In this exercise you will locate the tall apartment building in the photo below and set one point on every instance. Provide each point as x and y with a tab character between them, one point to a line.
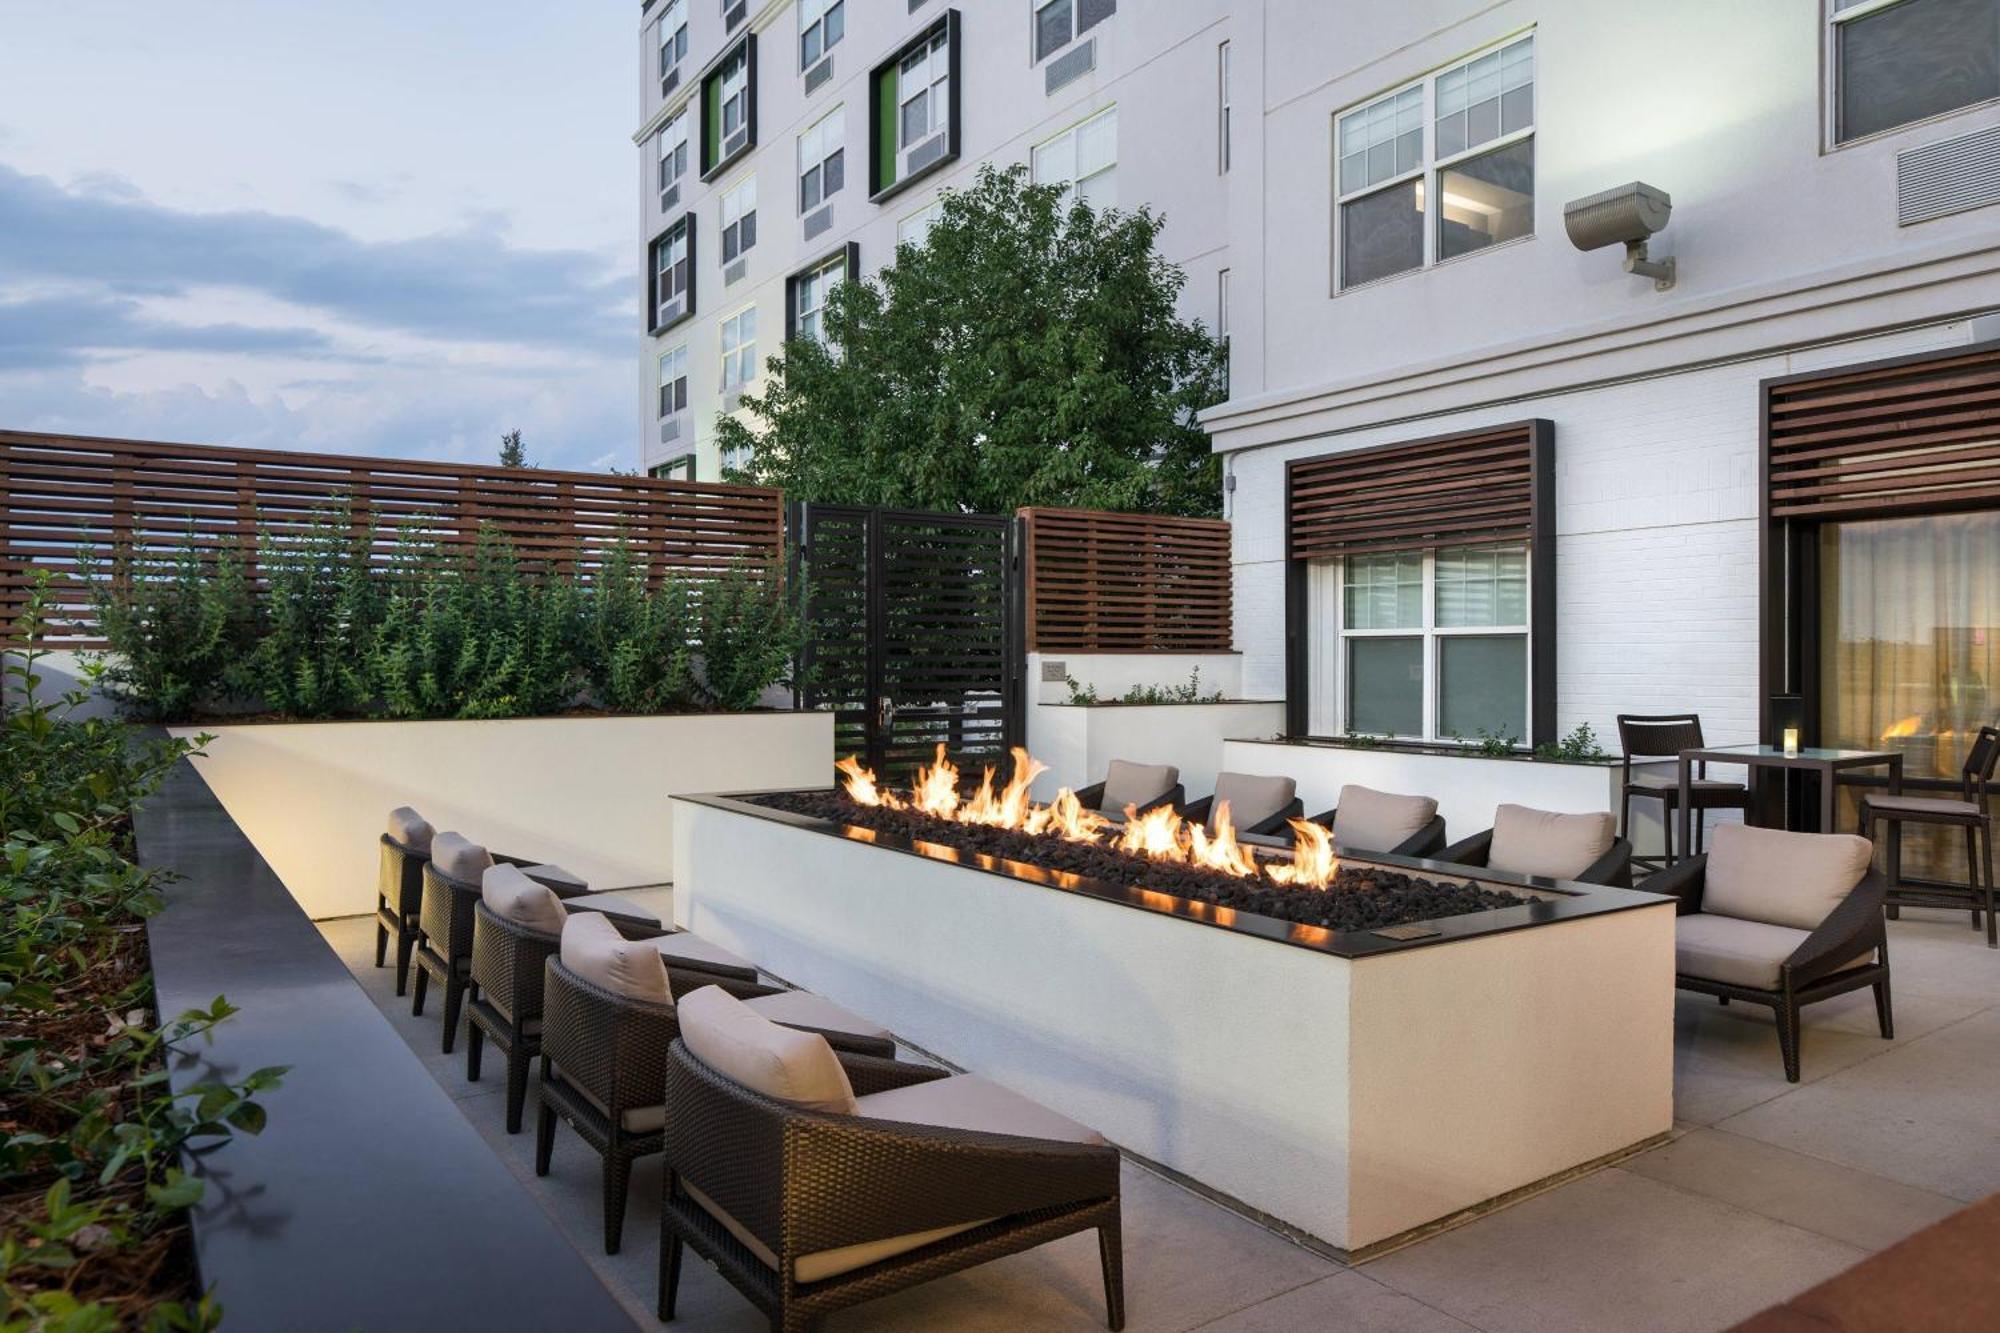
789	143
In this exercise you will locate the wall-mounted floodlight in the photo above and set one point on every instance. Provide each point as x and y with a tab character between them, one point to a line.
1626	216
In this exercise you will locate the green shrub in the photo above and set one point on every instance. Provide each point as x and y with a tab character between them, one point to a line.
638	654
748	634
318	609
183	620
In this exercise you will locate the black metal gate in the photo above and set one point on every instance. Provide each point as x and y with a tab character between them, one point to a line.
913	632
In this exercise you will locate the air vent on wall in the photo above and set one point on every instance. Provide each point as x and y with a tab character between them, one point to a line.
734	271
1071	65
925	153
670	429
670	197
1948	177
671	311
732	401
735	143
671	81
734	15
819	74
818	221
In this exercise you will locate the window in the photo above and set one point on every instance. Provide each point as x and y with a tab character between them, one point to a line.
671	279
729	107
674	469
1084	159
673	159
821	25
739	218
806	293
739	349
822	160
1434	645
1896	62
1222	108
913	109
916	228
1060	22
1439	169
674	382
673	44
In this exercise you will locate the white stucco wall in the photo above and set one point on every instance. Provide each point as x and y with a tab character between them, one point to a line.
1078	743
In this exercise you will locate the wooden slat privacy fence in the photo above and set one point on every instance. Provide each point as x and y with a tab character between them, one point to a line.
1124	583
1915	436
60	492
1448	490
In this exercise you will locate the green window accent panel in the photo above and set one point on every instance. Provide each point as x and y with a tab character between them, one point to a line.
711	120
885	138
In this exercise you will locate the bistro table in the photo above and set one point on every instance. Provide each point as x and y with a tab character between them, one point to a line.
1808	759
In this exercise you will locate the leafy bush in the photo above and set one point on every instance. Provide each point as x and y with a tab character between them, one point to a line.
1577	745
182	621
1190	692
748	634
316	609
637	644
92	1194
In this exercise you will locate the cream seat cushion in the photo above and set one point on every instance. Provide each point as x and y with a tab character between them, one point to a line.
636	1120
594	950
410	829
1540	842
1127	783
1785	879
1253	798
610	904
514	897
459	857
1738	952
1378	821
687	948
827	1263
777	1062
1924	805
803	1009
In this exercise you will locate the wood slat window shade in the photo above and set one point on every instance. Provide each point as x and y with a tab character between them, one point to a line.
58	493
1911	436
1127	583
1450	490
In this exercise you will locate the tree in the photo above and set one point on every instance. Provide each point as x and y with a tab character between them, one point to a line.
1027	353
512	452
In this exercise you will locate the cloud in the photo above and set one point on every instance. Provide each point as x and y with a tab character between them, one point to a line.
66	330
467	284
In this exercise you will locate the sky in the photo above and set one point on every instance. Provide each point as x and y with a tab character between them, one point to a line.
390	227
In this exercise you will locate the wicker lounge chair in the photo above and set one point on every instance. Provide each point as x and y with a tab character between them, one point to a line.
1141	786
1367	820
606	1025
810	1198
1257	804
1780	919
1580	847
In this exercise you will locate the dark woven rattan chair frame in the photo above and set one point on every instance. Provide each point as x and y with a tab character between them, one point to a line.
803	1182
1426	841
1813	972
1613	868
399	894
444	944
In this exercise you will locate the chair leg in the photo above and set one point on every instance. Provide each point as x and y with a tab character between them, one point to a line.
406	941
475	1041
1986	864
1669	816
1972	869
617	1182
423	985
1788	1037
454	999
670	1260
1884	1014
517	1086
545	1138
1111	1254
381	942
1722	1000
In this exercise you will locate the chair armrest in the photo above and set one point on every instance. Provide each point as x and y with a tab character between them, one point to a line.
1172	796
1683	880
1425	841
1196	812
686	980
1855	927
521	861
1325	818
1279	822
1472	851
1091	797
879	1073
1613	868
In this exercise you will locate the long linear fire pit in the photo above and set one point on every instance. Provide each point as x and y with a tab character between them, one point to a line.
1356	1047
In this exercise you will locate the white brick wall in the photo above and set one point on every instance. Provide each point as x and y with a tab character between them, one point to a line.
1656	521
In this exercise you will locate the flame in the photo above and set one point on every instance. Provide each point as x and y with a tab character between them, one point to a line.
1161	833
1902	728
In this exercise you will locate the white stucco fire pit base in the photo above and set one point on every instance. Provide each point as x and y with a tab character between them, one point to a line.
1349	1086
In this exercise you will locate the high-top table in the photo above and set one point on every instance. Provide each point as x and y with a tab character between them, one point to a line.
1808	759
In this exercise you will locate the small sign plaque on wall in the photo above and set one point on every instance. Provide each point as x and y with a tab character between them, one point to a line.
1416	930
1055	672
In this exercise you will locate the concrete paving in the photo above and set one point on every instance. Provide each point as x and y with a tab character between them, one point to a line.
1766	1189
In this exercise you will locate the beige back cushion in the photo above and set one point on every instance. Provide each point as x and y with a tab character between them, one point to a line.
594	950
1127	783
410	828
1253	798
1378	821
512	895
1786	879
459	857
778	1062
1539	842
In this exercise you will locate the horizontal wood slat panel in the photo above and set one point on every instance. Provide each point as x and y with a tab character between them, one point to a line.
1475	486
1101	582
1911	436
60	492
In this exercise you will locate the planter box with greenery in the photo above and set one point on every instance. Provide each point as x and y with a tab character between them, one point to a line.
1184	725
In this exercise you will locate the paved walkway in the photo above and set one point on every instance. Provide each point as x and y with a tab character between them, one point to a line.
1766	1189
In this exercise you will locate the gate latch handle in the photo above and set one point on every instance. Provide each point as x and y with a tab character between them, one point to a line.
885	711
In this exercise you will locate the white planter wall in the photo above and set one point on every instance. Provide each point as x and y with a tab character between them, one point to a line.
1078	742
588	793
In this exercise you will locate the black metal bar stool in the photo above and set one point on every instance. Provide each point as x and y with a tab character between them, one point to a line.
1967	811
1662	736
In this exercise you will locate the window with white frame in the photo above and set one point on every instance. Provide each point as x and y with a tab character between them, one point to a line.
672	275
923	97
822	23
673	43
1439	169
913	95
673	156
739	349
1896	62
809	292
674	382
1083	159
916	228
1222	105
739	218
822	159
1428	645
680	468
1060	22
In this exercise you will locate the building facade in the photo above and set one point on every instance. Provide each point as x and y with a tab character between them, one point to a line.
787	143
